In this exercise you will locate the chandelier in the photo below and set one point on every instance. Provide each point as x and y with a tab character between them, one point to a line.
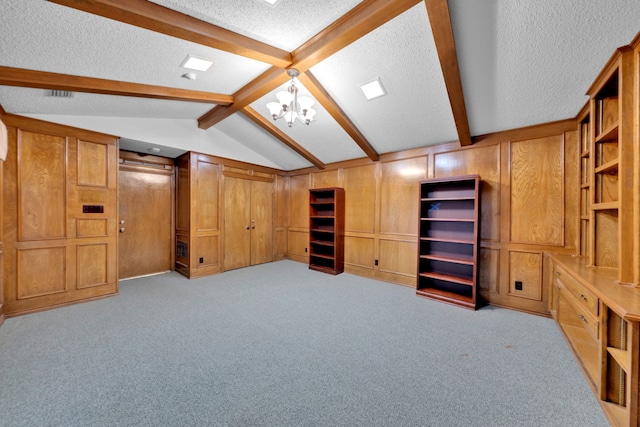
290	106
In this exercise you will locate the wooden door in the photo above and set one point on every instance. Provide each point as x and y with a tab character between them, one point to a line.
145	222
261	222
237	223
248	224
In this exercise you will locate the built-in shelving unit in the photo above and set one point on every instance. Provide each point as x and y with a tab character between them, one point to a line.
594	298
448	246
611	154
326	230
600	319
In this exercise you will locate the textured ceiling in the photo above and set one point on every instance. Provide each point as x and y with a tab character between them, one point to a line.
521	63
286	25
529	62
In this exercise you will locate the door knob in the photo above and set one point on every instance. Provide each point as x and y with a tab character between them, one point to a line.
122	229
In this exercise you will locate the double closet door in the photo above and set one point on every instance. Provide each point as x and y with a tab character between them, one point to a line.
248	222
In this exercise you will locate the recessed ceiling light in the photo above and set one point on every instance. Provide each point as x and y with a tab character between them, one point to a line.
373	89
197	64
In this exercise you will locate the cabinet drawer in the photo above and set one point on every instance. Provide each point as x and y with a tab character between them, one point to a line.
584	296
571	312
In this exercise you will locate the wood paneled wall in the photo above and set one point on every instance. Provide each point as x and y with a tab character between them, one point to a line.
58	247
200	210
528	206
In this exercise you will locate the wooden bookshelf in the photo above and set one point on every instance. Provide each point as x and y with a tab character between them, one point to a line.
326	230
448	246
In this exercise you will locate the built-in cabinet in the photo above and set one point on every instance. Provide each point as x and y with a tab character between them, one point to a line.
227	213
248	222
600	320
594	294
448	240
326	230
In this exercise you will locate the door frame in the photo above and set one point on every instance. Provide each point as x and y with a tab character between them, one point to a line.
135	162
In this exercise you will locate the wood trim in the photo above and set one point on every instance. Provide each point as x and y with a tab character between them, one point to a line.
440	20
45	80
607	70
137	157
322	96
145	14
257	88
247	177
27	123
265	124
358	22
3	112
200	157
529	132
584	111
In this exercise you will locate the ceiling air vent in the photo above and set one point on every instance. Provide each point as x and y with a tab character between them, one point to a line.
59	93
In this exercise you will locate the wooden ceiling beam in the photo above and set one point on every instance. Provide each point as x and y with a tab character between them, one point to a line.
257	88
440	20
358	22
268	126
322	96
45	80
145	14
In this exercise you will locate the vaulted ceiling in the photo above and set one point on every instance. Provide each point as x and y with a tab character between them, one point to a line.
451	69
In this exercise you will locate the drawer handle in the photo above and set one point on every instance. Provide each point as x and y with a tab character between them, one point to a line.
582	297
584	319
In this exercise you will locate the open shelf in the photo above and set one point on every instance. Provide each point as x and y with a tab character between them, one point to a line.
622	357
448	278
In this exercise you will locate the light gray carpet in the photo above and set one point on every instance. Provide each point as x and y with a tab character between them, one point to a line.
280	345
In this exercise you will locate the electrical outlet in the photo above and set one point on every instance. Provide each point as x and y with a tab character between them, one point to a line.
201	260
518	285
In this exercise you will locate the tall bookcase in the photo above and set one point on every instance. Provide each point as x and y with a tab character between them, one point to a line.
610	212
326	230
448	246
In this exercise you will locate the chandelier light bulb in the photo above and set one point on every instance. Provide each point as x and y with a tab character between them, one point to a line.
284	98
311	113
274	109
305	102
